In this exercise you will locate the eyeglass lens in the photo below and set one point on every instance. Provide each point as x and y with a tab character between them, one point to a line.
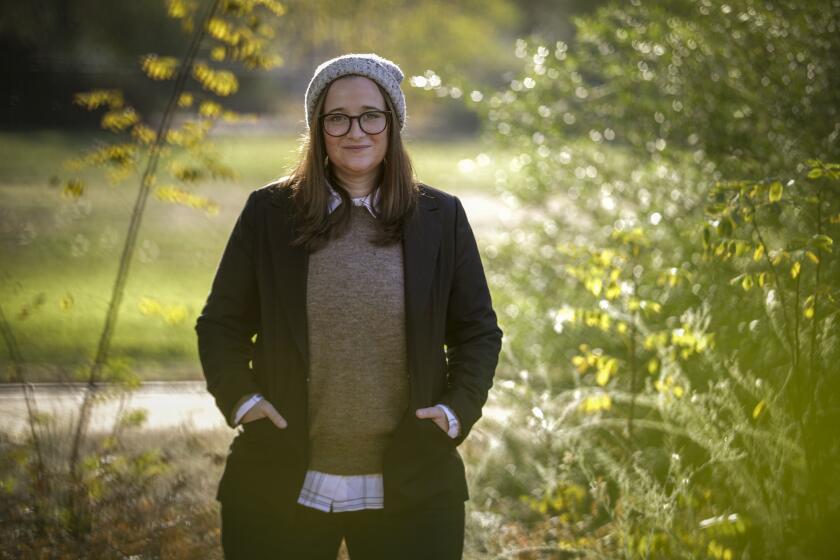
371	122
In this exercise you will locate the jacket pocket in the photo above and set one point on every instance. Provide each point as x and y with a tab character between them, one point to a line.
262	462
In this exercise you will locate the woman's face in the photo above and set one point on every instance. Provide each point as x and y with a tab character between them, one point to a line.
356	155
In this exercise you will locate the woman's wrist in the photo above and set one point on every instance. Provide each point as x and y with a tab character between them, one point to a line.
245	404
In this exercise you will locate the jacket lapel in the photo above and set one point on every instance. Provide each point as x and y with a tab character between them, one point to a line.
420	243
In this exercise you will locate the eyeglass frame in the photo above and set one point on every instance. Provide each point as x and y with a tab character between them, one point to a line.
358	118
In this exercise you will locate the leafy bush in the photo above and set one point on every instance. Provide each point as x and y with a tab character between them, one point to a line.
671	298
140	494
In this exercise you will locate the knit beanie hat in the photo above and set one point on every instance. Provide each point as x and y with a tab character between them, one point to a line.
380	70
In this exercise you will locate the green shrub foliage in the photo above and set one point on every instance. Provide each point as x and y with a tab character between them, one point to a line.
671	291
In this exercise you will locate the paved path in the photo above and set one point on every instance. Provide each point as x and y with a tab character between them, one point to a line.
169	404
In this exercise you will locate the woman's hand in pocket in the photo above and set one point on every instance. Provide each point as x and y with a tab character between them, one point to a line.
264	409
436	414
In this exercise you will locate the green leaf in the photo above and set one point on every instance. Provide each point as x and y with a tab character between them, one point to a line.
823	242
747	282
815	173
808	308
725	227
776	192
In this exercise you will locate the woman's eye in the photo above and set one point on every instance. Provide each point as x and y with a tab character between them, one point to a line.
335	119
372	116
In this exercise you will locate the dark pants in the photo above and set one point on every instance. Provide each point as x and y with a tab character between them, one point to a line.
371	534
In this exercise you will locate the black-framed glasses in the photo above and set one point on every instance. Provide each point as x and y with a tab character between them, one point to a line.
371	122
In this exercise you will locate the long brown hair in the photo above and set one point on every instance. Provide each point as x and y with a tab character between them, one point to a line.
314	226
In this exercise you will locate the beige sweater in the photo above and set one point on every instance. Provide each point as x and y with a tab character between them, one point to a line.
358	379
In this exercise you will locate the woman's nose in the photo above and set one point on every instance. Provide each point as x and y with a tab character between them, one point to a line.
355	129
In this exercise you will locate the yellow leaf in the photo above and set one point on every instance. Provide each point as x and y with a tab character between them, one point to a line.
794	270
119	120
759	252
273	6
149	306
220	29
808	310
602	377
113	98
747	282
185	100
175	314
815	173
209	109
580	363
812	256
776	192
759	408
74	188
596	286
234	117
220	82
761	278
177	9
182	197
218	53
159	67
143	134
594	403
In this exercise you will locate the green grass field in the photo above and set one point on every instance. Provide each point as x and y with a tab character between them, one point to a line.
59	257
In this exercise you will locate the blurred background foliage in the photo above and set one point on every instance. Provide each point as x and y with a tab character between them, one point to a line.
672	300
665	269
58	47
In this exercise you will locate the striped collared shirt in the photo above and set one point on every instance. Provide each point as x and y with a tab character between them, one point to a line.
333	492
370	200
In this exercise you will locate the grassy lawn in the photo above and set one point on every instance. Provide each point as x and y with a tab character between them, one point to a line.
59	257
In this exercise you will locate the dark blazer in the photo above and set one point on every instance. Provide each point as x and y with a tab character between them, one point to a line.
252	337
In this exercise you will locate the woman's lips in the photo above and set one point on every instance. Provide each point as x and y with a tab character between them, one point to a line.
355	147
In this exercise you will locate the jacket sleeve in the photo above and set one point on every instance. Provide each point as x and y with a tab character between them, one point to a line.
473	338
230	318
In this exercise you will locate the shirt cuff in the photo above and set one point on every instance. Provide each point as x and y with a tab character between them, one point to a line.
246	406
454	426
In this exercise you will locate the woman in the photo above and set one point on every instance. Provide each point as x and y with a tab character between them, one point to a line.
323	336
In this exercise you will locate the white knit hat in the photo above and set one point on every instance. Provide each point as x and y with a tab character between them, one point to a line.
380	70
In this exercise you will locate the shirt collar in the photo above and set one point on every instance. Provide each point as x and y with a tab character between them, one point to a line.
369	201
